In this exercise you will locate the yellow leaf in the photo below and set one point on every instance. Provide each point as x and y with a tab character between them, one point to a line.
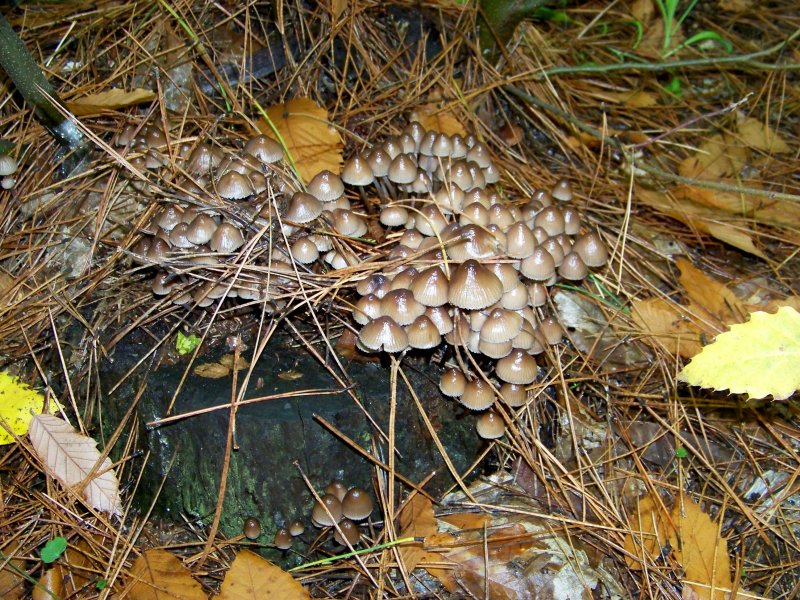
112	99
649	530
18	404
313	143
228	360
435	119
757	358
251	577
158	575
212	370
700	550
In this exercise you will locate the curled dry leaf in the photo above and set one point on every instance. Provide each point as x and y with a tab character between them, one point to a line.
94	104
667	323
72	458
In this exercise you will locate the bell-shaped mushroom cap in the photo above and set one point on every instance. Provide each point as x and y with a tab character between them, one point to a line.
251	528
226	239
423	334
403	278
264	149
403	170
392	147
501	326
441	318
401	306
459	147
506	273
201	229
202	159
552	331
474	242
539	266
366	309
494	349
491	174
394	216
348	223
537	294
325	186
303	208
518	367
377	284
304	251
478	195
477	395
347	533
357	171
383	334
458	174
572	220
283	539
426	143
154	137
555	250
327	511
515	299
551	220
478	178
158	250
379	161
500	215
513	394
473	286
296	528
573	268
336	488
450	199
162	283
168	218
480	155
474	214
357	504
452	382
234	186
411	238
178	236
407	144
415	130
430	287
8	166
520	242
490	425
562	190
591	249
430	221
127	134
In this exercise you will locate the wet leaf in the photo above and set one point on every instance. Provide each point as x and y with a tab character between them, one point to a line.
417	520
18	404
71	457
313	143
251	577
211	371
12	582
113	99
51	585
757	358
159	575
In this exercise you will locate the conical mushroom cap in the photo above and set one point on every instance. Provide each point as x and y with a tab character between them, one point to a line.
473	286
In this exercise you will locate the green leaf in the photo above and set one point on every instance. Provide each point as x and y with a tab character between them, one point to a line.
681	452
757	358
186	343
53	549
101	584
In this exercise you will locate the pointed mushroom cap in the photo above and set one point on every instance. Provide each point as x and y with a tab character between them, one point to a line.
423	334
507	274
562	190
452	382
500	215
459	147
491	174
501	326
539	266
473	286
347	533
480	155
441	318
572	220
283	539
513	394
366	309
415	130
377	284
573	268
379	161
202	159
474	242
551	220
226	239
402	170
401	306
449	199
336	488
490	425
348	223
426	143
178	236
264	149
430	221
325	186
327	518
551	330
383	334
234	186
303	208
357	171
591	249
430	287
520	242
158	250
403	278
474	213
518	367
477	395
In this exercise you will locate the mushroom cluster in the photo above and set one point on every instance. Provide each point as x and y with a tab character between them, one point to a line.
8	166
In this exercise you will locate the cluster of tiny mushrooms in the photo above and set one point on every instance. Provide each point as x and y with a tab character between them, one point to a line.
461	263
8	166
339	509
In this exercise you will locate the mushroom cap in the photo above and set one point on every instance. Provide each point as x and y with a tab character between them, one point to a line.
366	309
304	251
494	350
441	146
551	220
459	147
8	165
202	159
402	170
327	511
264	149
507	274
411	238
423	334
283	539
555	249
475	213
515	299
296	528
441	318
357	504
161	285
392	147
168	218
562	190
477	395
520	241
394	216
572	220
357	171
401	306
500	215
537	294
430	287
491	174
490	425
234	186
573	268
501	326
347	533
591	249
552	331
513	394
526	336
407	143
336	488
158	250
473	286
452	382
226	239
383	334
479	154
539	266
450	200
251	528
430	221
178	236
403	278
325	186
518	367
303	208
377	284
379	161
426	143
348	223
415	130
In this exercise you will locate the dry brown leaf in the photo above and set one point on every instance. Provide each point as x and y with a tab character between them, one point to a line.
760	136
211	370
761	209
736	6
159	575
649	529
417	520
313	143
71	457
337	7
719	157
94	104
433	118
12	583
466	521
643	11
700	550
51	585
228	361
711	295
666	322
253	578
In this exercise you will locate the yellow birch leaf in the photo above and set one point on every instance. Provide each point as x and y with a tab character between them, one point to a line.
313	143
252	578
757	358
158	575
113	99
701	551
649	530
18	404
